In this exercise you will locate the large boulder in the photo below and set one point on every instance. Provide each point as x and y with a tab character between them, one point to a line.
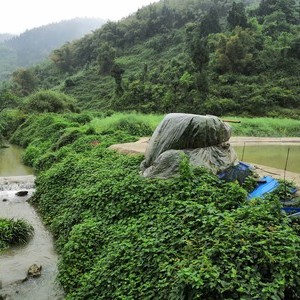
201	138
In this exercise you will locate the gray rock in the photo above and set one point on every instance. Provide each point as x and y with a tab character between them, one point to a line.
34	271
21	193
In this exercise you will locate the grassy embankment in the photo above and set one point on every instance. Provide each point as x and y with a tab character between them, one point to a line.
260	127
121	236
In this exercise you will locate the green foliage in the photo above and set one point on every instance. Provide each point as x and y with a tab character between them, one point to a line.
106	57
10	120
237	16
235	52
62	58
125	236
45	127
49	101
7	100
266	127
14	232
121	236
284	190
133	124
25	81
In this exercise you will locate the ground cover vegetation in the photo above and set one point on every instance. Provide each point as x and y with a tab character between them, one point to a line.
14	232
121	236
216	57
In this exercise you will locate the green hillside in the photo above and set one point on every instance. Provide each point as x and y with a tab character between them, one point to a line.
200	56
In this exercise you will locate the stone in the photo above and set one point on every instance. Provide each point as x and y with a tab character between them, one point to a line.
34	271
21	193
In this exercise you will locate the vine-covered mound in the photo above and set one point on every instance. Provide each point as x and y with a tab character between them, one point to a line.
125	237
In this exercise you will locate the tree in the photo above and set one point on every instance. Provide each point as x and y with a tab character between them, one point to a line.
116	72
106	56
237	16
25	80
197	47
235	53
210	23
288	7
49	101
63	57
294	50
7	100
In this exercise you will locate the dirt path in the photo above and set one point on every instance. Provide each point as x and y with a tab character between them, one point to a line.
240	140
140	146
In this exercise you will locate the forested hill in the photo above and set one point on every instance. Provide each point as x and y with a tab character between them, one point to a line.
35	45
200	56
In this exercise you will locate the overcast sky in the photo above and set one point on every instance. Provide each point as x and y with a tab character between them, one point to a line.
18	15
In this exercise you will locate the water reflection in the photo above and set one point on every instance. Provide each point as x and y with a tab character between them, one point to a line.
271	155
10	162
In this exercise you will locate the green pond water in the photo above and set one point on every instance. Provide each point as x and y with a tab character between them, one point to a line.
11	162
271	155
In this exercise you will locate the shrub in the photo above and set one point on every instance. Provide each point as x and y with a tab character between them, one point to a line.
133	124
49	101
10	120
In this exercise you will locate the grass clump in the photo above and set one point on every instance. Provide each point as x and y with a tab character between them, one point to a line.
14	232
132	123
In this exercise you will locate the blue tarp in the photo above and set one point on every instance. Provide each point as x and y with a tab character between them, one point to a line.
238	172
266	185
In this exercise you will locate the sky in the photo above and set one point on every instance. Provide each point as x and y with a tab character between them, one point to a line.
16	16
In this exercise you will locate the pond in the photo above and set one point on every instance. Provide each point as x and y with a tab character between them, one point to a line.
10	162
271	155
